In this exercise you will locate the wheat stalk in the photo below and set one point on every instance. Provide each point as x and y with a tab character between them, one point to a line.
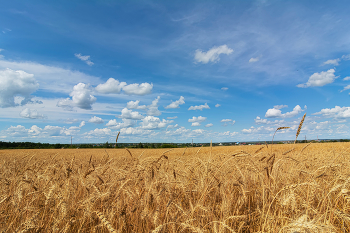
105	222
299	128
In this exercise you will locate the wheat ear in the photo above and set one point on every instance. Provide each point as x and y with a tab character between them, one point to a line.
299	128
105	222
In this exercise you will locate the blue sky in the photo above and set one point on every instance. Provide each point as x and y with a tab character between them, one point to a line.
173	71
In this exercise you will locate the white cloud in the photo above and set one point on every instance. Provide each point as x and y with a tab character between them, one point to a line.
169	118
96	120
51	78
111	86
151	122
336	112
224	88
346	88
71	121
254	59
100	132
228	133
86	59
134	131
212	55
199	107
16	83
66	104
280	106
259	121
347	78
172	126
319	79
153	108
135	105
81	98
129	114
346	57
277	113
259	130
82	124
138	89
176	103
332	62
217	105
32	114
228	122
113	124
209	125
197	120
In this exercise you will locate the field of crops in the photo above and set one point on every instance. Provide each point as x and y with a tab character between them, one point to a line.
279	188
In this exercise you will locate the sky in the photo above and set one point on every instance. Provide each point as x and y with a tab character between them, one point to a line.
173	71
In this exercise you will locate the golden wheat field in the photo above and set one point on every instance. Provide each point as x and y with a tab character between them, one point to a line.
272	188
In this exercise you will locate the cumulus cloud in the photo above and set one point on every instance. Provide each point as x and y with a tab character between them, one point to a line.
138	89
96	120
199	107
196	121
254	59
319	79
259	130
277	113
334	62
217	105
81	98
153	108
135	105
151	122
37	132
16	83
129	114
209	125
134	131
336	112
31	114
86	59
172	126
259	121
176	103
228	122
111	86
170	118
212	55
113	124
82	124
228	133
100	132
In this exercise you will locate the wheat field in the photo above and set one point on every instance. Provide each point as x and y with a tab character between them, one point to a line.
270	188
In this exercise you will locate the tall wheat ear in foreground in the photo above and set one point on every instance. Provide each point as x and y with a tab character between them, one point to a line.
219	189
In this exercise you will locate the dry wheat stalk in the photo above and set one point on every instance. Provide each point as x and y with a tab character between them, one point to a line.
299	128
116	140
105	222
288	151
129	152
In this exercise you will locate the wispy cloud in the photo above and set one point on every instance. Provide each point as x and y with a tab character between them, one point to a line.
212	55
86	59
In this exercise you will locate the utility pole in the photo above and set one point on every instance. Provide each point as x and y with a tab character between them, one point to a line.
71	141
192	142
